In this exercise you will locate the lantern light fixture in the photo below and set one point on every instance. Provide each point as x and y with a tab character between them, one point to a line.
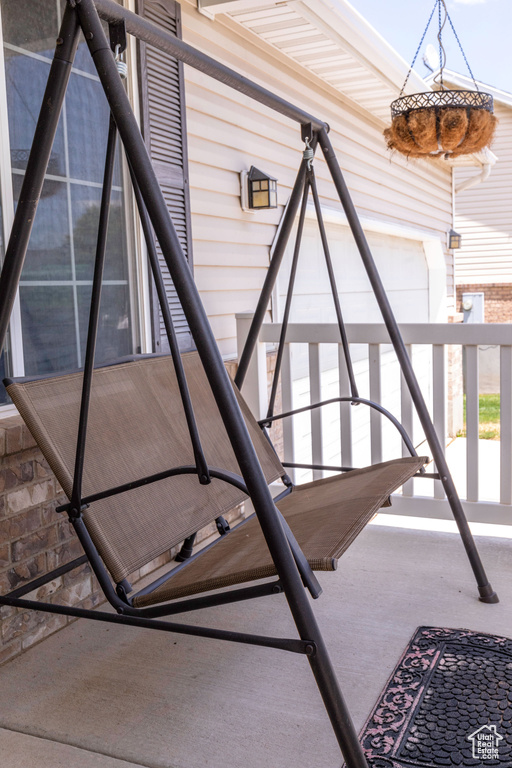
454	239
258	190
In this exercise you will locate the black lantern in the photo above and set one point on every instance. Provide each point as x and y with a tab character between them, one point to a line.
262	189
454	239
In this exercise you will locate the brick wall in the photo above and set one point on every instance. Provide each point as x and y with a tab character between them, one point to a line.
497	300
34	540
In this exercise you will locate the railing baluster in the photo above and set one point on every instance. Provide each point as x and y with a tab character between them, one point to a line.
472	422
287	396
374	362
406	411
345	412
506	425
439	404
467	336
315	395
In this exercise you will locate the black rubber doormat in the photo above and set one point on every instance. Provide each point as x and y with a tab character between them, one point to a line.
448	703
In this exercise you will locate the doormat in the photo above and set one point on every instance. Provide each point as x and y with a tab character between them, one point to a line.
448	703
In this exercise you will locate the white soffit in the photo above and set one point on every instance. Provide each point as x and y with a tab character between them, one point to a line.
333	41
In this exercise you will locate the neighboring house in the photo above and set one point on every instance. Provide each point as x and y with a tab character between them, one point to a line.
483	215
319	54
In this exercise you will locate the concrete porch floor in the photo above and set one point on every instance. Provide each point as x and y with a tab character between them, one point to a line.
98	696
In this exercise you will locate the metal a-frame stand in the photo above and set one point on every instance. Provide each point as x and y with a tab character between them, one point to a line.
86	15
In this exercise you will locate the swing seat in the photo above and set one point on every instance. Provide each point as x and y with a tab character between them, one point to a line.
137	429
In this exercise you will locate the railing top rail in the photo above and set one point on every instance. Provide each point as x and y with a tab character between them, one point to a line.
151	33
412	333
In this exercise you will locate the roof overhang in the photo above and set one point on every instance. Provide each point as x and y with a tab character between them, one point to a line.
333	41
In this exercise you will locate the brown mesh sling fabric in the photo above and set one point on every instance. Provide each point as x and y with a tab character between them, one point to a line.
137	429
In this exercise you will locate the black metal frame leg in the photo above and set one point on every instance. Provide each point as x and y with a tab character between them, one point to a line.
487	594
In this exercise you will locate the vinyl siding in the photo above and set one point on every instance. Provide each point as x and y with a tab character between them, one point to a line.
228	132
483	215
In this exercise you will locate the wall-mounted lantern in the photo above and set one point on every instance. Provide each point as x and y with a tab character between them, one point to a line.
258	190
454	239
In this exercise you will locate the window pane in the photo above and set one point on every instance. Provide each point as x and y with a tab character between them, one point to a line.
55	287
86	210
114	331
83	59
31	25
49	328
26	82
48	256
88	119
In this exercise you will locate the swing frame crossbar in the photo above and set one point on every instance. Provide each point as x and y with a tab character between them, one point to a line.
85	16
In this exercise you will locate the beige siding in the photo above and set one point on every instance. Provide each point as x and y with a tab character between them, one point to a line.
229	132
483	215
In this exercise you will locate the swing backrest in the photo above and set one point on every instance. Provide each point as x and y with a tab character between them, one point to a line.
137	428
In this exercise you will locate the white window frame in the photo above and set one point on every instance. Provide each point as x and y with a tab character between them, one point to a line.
138	276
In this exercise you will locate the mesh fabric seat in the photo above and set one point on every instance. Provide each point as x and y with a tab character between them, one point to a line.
325	517
137	428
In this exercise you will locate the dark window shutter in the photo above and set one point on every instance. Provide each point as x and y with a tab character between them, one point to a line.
164	128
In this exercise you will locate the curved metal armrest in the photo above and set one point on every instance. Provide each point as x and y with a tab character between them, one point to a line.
405	437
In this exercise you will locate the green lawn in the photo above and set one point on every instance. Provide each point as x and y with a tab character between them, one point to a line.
489	417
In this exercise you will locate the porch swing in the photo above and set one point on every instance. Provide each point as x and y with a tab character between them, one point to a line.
155	446
150	449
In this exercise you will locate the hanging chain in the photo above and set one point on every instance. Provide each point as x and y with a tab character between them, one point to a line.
308	153
418	49
462	51
439	4
442	52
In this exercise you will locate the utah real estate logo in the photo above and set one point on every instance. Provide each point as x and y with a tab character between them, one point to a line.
486	743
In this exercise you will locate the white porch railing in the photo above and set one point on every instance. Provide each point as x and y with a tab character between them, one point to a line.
311	380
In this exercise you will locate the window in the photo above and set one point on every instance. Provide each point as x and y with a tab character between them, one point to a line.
56	282
49	327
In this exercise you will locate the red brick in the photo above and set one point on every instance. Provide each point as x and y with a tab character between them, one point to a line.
64	554
25	572
18	473
20	624
4	555
41	468
44	592
48	514
82	572
27	441
34	543
76	591
14	439
97	598
20	525
65	530
29	496
49	625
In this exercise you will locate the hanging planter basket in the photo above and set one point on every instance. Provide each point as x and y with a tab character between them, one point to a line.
443	122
